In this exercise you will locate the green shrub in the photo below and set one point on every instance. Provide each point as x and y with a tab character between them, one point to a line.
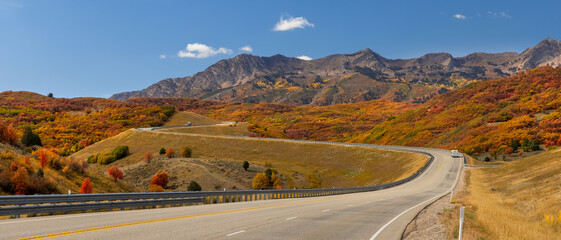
487	159
194	186
533	145
40	172
91	159
30	139
186	152
106	158
120	152
245	165
162	151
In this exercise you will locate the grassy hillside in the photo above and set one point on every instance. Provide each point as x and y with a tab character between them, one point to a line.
302	165
184	117
519	200
236	129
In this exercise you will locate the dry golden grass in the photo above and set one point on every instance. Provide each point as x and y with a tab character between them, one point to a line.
332	166
238	129
182	118
510	202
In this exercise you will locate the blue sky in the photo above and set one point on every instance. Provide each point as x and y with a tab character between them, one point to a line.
97	48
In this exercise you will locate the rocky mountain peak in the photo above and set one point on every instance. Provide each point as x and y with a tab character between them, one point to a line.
548	51
340	78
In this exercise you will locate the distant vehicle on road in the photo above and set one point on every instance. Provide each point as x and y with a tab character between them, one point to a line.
455	153
188	124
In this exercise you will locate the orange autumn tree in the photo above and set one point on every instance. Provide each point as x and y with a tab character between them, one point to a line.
19	181
7	133
86	186
159	182
115	173
170	153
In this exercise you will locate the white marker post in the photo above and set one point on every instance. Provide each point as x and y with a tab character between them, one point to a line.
461	222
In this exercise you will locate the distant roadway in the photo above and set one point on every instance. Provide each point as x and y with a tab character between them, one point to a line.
381	214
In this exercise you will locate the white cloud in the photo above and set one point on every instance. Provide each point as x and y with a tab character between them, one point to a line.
246	49
163	56
459	16
304	57
291	23
498	14
199	50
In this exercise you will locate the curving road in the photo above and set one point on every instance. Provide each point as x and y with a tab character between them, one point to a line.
381	214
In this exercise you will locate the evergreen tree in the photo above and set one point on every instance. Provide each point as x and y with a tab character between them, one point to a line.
29	138
194	186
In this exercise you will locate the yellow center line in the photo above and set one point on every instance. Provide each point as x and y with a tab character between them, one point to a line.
197	215
169	219
434	174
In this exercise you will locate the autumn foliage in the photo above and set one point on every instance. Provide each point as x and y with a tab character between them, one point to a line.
339	122
267	180
86	186
72	124
186	152
19	175
170	153
7	133
160	179
43	158
115	173
148	157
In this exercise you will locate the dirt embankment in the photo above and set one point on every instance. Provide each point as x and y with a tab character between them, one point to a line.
210	174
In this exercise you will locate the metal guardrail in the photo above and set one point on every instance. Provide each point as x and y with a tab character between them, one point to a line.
33	204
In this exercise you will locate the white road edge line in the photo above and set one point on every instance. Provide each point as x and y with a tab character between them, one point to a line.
437	196
235	233
288	219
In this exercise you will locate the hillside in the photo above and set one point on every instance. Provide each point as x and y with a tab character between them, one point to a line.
346	78
21	173
519	200
481	117
216	162
69	125
340	122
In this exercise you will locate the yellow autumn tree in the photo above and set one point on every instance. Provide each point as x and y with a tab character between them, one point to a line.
260	181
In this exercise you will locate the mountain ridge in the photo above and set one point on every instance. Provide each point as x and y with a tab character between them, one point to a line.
343	78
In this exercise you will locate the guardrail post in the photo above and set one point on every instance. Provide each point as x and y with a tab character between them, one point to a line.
461	222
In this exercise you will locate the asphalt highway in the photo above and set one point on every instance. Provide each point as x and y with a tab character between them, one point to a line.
381	214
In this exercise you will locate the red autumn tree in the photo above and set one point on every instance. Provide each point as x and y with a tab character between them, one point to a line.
43	158
509	150
86	186
160	179
170	153
115	173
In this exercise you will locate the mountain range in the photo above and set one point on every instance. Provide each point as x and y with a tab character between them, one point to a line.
345	78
